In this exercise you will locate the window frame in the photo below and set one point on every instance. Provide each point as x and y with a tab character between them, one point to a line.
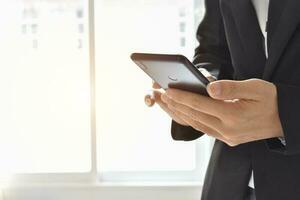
98	191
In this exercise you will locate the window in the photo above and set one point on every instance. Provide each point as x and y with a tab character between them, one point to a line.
45	87
134	142
64	73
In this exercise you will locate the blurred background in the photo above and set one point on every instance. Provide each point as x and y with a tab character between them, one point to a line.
73	124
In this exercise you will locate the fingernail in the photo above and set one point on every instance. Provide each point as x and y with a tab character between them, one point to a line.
214	89
149	101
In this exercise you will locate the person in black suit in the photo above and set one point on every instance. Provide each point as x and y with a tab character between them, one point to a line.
254	108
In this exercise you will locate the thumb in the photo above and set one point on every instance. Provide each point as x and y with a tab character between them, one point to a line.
229	90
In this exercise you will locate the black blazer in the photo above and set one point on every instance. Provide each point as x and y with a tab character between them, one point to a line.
230	38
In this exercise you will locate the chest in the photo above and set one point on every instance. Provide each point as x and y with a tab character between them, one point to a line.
245	23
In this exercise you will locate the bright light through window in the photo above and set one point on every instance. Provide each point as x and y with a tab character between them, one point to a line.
132	137
45	84
45	87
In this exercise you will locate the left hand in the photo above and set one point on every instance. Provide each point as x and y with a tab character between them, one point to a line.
237	112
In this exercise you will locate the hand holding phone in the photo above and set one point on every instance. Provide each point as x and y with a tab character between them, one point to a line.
173	71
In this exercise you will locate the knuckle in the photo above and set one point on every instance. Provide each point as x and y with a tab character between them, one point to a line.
233	143
265	88
229	143
254	80
270	90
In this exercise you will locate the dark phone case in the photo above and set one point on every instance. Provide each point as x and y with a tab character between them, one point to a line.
172	71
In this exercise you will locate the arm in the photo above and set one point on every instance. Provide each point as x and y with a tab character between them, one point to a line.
212	54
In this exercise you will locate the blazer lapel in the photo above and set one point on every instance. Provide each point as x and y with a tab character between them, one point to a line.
250	36
283	20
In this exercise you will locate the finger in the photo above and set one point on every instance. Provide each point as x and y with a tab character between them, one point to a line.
165	107
203	118
200	127
149	100
252	89
156	86
157	96
197	102
164	98
158	100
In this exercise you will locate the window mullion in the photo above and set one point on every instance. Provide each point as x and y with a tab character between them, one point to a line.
91	22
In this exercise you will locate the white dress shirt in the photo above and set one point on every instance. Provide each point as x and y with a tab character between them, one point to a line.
261	8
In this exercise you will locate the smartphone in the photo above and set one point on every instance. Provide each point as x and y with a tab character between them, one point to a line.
172	71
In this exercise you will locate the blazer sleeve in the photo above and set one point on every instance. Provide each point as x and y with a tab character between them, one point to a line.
289	109
211	54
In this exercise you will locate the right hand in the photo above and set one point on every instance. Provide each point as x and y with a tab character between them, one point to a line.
157	98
